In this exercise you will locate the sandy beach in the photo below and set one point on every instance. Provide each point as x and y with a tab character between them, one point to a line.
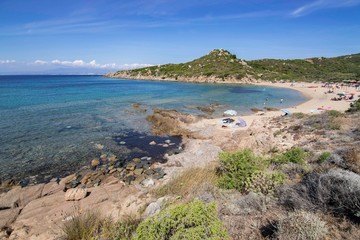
318	102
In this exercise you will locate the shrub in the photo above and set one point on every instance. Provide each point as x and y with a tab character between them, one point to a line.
82	226
194	220
324	157
327	120
354	107
236	168
336	190
301	225
264	183
299	115
334	113
294	155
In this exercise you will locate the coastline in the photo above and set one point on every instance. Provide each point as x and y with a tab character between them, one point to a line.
29	205
317	102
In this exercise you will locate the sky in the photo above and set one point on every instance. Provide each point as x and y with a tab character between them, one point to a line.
98	36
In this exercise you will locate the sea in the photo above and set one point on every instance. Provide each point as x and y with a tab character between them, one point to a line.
51	126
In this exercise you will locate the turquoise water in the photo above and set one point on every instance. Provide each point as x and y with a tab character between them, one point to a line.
49	125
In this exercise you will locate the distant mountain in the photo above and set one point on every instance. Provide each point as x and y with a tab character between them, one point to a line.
222	66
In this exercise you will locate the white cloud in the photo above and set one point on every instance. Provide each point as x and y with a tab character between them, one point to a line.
7	61
91	64
40	62
323	4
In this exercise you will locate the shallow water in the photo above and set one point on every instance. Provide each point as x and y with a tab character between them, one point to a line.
50	125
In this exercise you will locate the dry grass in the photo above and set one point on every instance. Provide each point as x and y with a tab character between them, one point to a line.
190	183
82	226
352	159
123	229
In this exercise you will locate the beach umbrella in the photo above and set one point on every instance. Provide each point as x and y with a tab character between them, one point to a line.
230	112
241	122
287	112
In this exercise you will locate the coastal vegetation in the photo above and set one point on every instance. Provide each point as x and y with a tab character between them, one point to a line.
309	191
221	65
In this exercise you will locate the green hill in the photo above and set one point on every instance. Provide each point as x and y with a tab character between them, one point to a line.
221	65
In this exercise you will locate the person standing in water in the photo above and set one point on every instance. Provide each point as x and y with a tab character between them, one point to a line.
281	100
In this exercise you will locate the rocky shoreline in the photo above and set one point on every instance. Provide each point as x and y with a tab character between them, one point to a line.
116	191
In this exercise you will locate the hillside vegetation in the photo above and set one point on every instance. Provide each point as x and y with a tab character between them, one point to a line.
221	65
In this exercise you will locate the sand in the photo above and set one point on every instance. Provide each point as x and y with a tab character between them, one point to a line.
317	100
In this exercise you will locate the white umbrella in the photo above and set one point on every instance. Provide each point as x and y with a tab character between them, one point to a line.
230	112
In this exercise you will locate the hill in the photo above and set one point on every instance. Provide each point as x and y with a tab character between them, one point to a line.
222	66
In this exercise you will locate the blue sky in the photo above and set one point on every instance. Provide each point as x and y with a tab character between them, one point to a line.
97	36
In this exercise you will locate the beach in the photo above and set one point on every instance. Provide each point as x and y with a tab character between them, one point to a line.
26	207
318	102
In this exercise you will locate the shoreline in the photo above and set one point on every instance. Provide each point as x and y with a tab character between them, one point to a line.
317	102
24	208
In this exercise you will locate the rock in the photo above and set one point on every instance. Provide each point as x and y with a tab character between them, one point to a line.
167	141
152	143
140	165
99	146
136	160
86	178
165	145
19	197
75	194
103	157
110	180
95	163
155	207
159	173
148	182
67	179
131	166
112	158
129	179
122	143
8	216
149	171
138	171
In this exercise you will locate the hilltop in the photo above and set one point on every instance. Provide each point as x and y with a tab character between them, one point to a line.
222	66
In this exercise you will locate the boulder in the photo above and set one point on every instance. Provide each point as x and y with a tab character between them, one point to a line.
95	163
148	182
155	207
75	194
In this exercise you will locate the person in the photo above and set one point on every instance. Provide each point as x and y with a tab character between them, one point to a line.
281	100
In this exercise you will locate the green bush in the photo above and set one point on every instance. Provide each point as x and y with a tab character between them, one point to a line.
324	157
354	107
299	115
236	168
334	113
194	220
294	155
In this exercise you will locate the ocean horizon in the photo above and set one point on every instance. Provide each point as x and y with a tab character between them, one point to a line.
52	125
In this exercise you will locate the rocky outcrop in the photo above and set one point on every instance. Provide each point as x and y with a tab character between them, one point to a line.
171	122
